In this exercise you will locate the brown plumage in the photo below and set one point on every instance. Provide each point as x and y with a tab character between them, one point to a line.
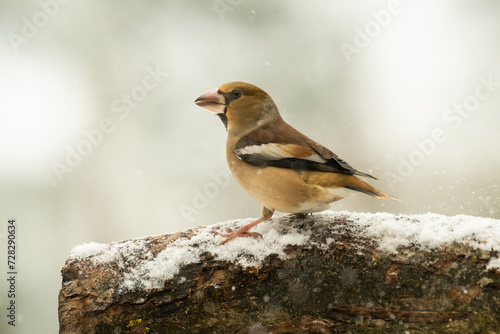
276	164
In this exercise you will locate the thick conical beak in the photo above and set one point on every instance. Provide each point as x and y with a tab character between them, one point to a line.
212	100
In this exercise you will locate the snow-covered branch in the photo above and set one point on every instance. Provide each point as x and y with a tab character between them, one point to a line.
335	271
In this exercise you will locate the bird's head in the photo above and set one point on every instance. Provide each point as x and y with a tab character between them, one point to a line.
241	106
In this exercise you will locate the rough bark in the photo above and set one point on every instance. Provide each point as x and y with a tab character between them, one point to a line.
346	286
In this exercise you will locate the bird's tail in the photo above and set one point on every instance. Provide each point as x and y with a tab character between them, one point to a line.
362	186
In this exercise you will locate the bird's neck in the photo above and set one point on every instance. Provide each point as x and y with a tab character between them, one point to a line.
241	131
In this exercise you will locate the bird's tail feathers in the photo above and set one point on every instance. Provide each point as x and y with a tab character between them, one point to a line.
358	173
369	190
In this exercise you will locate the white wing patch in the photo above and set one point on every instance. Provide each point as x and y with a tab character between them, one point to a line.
274	151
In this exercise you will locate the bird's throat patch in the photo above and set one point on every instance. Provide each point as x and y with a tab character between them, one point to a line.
223	118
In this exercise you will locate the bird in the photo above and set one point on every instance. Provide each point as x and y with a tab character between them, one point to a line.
276	164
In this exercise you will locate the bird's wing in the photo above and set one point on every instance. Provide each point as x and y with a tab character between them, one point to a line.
280	145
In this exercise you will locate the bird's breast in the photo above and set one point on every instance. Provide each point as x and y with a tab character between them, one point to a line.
280	189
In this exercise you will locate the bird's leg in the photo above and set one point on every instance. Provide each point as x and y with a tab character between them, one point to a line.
243	231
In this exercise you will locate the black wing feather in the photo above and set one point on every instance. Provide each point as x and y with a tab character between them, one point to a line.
332	165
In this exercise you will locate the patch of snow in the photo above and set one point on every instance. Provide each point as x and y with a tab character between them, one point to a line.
120	253
244	251
143	270
494	264
83	251
428	231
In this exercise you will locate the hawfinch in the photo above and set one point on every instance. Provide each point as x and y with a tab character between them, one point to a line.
276	164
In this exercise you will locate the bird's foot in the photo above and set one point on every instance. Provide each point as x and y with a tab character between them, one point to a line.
243	231
236	234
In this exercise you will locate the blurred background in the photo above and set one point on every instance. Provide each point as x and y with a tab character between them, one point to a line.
100	139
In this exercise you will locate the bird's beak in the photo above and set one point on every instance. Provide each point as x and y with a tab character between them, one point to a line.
212	100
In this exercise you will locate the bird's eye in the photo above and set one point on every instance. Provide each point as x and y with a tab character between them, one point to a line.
236	94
